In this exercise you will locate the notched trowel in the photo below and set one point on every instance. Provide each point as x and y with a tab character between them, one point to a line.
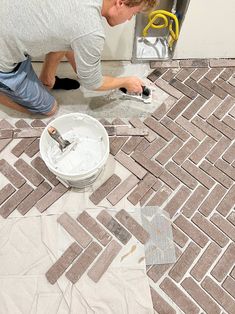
64	145
145	96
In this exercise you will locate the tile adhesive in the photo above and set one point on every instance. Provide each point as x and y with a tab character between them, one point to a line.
80	163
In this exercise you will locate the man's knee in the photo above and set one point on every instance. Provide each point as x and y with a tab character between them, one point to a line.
53	109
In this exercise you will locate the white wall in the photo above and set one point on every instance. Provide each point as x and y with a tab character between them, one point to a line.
208	30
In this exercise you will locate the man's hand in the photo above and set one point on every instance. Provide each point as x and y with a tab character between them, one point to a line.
132	83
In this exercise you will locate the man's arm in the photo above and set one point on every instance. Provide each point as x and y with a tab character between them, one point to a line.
131	83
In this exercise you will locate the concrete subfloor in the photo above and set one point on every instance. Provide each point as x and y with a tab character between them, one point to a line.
99	105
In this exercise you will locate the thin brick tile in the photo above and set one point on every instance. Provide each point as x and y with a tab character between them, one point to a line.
232	112
182	175
202	150
5	124
104	261
199	88
227	202
28	132
131	165
133	226
194	233
128	131
32	175
146	197
199	295
194	201
74	229
6	192
179	297
51	197
164	64
210	229
177	201
174	128
202	266
160	197
229	121
11	174
216	174
209	107
137	123
179	237
169	74
228	88
207	128
212	200
185	261
229	286
164	108
225	168
33	198
213	88
21	124
183	88
157	271
33	148
111	130
94	228
131	144
41	167
229	155
143	145
114	227
222	127
194	107
117	144
169	180
231	218
192	129
199	73
60	266
224	108
227	73
157	185
224	63
233	273
159	304
156	74
224	265
98	195
126	186
177	109
36	123
143	187
21	146
168	88
149	165
158	128
213	73
83	262
169	151
184	73
4	134
224	225
218	150
219	295
10	205
198	174
118	121
4	143
154	147
185	151
194	63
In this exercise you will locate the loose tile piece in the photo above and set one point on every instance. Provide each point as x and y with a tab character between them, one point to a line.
114	227
32	175
74	229
60	266
133	226
33	148
94	228
131	165
41	167
29	132
104	261
11	174
149	165
21	146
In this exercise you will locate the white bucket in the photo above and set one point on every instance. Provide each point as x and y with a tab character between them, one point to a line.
91	152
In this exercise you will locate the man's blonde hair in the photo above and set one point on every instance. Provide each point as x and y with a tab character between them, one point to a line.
148	5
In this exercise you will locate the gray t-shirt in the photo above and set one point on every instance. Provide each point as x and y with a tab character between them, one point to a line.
36	27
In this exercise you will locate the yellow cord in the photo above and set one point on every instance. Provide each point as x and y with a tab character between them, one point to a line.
168	20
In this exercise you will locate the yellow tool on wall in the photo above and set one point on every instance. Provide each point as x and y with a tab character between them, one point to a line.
169	20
